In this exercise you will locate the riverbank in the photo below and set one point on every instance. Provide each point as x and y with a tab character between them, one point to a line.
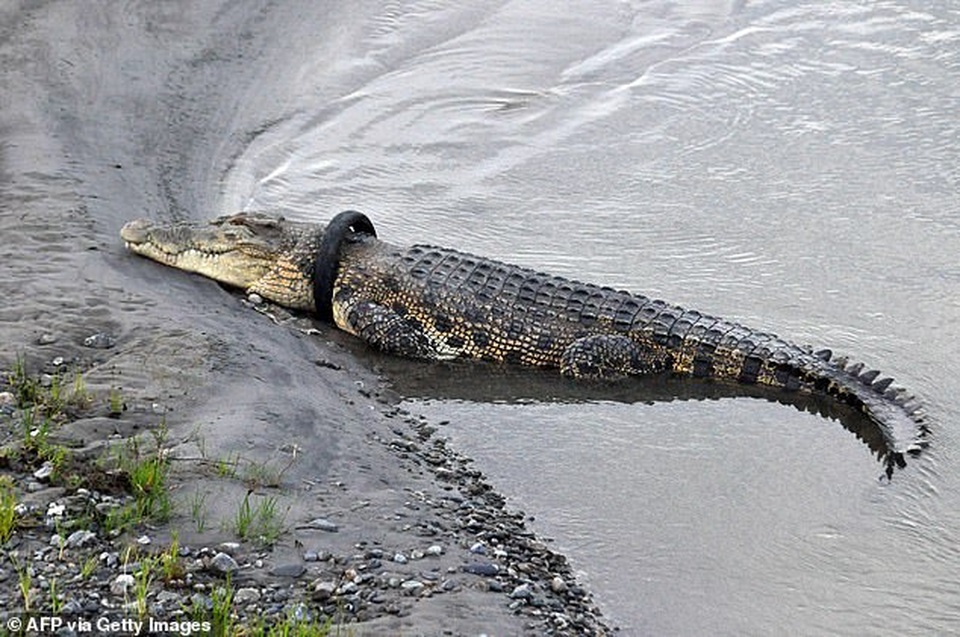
284	460
400	536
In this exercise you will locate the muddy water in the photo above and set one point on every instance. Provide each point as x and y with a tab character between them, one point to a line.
793	166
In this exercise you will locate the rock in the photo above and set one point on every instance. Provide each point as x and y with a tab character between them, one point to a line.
522	591
168	597
199	600
416	554
100	340
80	538
479	548
289	570
44	472
321	524
485	569
400	558
143	540
323	590
348	588
311	556
46	339
557	585
223	563
412	586
7	398
122	584
246	596
435	550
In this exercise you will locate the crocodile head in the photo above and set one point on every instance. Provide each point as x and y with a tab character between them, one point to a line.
259	253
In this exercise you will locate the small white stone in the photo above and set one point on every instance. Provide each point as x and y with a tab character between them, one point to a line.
44	472
122	584
246	596
80	538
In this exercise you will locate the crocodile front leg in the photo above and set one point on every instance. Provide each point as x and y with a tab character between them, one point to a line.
384	328
610	356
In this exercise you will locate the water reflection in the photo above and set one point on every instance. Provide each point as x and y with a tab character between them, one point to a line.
478	382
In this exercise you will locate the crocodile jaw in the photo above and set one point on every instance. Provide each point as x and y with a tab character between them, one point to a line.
231	253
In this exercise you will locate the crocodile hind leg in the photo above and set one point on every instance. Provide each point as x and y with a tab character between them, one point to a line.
610	356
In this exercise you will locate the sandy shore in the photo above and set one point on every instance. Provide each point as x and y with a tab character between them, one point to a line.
106	116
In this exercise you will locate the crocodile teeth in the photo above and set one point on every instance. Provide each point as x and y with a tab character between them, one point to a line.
869	377
823	354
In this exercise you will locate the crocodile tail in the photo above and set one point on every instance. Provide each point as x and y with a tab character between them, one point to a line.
897	414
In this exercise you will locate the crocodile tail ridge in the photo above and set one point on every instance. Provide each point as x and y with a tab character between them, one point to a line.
898	414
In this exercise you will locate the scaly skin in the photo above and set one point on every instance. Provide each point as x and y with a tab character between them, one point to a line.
436	303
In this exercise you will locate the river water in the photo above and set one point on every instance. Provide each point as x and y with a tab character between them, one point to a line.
790	165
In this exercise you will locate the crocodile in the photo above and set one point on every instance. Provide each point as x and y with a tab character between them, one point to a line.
436	303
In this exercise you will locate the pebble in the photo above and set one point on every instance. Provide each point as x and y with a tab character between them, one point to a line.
400	558
323	590
44	471
223	563
412	586
167	597
80	538
289	570
479	548
321	524
7	398
46	339
122	584
557	585
246	596
522	591
435	550
100	340
485	569
143	540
